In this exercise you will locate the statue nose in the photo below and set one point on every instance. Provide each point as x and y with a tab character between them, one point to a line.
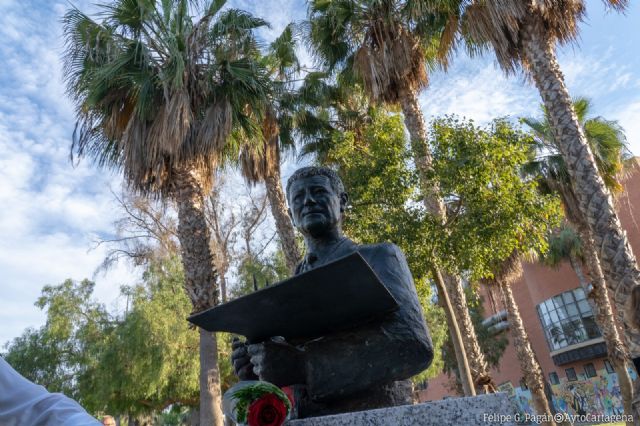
309	199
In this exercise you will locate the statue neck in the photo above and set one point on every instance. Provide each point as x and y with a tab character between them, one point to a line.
325	244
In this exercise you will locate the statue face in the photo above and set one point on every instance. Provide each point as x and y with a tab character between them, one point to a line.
315	208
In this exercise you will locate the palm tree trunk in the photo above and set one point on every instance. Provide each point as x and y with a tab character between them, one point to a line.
417	128
597	296
530	368
599	302
278	203
414	121
458	345
617	260
200	285
479	368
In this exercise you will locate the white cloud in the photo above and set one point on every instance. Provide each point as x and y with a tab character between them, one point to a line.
477	90
51	211
629	118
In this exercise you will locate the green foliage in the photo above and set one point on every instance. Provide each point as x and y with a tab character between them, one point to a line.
606	139
149	361
261	270
492	210
58	355
141	363
564	244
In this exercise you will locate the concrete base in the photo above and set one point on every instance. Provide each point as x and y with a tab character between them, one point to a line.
490	409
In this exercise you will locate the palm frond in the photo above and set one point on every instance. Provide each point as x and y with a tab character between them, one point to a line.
156	91
617	5
282	53
564	244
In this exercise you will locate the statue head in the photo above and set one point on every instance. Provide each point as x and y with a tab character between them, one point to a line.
316	200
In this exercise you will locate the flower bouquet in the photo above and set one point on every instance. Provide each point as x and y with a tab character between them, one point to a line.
256	403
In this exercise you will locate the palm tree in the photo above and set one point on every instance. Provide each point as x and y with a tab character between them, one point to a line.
566	245
504	275
261	163
523	35
608	143
157	95
387	44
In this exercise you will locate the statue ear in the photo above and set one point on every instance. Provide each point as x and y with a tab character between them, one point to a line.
344	199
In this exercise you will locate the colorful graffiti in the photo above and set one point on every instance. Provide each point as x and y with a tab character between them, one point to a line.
598	395
520	398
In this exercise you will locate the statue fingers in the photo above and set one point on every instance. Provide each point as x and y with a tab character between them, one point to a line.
255	349
237	343
239	352
257	360
240	363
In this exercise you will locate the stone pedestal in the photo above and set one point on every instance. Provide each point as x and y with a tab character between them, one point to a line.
493	409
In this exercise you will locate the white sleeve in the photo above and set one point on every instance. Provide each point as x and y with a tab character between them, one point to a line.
23	403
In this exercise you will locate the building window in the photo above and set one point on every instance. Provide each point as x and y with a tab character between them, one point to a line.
608	366
554	379
590	370
567	319
571	374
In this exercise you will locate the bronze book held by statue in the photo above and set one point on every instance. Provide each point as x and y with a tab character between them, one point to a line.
332	297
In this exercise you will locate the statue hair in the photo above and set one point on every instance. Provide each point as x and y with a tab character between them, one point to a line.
334	179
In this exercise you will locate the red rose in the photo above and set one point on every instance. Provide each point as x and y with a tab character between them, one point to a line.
268	410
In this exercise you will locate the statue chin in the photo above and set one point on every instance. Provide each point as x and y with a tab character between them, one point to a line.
316	226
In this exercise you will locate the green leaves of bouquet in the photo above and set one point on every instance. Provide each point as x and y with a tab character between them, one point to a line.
256	403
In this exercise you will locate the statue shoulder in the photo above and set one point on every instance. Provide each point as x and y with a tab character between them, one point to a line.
381	251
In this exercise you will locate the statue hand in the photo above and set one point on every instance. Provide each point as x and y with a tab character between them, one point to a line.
278	362
241	360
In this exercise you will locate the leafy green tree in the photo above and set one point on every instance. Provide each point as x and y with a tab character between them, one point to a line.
523	35
387	45
158	95
148	363
135	365
494	216
58	355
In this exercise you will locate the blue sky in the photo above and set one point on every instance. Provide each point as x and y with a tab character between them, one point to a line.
52	212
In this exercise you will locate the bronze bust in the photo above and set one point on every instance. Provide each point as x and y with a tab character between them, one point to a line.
361	368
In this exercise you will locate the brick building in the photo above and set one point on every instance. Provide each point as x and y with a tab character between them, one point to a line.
564	336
